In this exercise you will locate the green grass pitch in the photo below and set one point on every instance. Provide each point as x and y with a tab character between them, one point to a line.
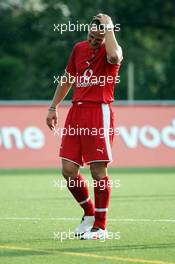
33	209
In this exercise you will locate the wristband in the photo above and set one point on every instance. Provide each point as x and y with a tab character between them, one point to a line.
52	109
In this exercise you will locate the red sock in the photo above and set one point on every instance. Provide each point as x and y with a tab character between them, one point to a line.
79	190
102	195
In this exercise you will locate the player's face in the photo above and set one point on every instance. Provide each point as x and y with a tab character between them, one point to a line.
95	38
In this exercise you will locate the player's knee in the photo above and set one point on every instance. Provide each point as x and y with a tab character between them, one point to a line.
68	173
69	169
97	172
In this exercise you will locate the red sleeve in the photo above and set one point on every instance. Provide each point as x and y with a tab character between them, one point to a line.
71	68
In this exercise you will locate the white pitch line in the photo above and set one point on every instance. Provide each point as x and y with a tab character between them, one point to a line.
77	219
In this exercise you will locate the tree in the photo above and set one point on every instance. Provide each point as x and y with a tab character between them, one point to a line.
32	52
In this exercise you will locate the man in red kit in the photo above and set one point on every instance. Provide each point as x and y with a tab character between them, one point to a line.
90	115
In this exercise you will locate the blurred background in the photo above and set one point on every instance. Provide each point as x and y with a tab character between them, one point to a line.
32	53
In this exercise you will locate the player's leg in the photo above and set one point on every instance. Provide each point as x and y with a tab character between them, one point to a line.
78	187
97	152
70	152
102	197
101	193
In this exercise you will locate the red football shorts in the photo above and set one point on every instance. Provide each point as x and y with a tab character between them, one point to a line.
88	133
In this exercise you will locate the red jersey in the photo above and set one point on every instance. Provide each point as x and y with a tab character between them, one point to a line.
94	76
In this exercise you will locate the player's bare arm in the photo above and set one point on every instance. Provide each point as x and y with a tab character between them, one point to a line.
60	93
113	50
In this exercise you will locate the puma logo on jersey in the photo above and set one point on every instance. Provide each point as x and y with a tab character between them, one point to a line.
100	150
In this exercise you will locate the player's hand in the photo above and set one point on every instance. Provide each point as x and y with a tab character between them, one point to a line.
104	19
52	119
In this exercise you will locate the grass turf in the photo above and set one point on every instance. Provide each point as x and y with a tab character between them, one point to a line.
33	209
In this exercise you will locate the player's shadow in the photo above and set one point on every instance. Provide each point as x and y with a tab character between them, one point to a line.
83	249
109	247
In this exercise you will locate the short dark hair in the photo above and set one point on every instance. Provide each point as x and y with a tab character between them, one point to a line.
97	24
